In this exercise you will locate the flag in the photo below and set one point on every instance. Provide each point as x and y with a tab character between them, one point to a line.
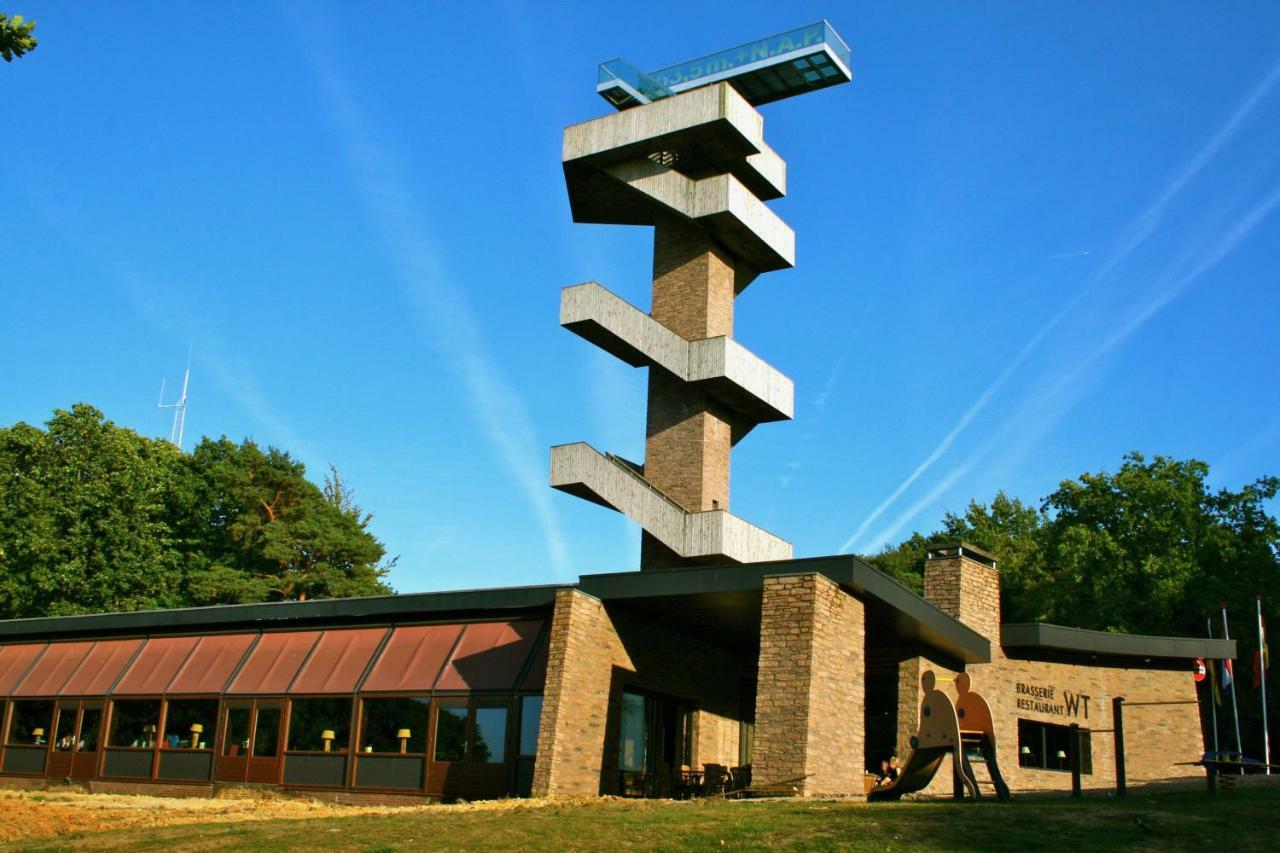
1213	683
1227	678
1261	658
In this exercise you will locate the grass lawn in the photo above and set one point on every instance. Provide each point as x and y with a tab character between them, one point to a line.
1248	819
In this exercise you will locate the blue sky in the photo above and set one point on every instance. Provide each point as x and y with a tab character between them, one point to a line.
1030	238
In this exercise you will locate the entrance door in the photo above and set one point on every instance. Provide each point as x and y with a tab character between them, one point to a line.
655	743
250	742
264	758
84	760
63	742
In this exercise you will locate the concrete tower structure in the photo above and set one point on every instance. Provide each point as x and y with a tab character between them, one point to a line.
686	155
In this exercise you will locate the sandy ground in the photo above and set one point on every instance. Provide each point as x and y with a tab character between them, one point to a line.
42	814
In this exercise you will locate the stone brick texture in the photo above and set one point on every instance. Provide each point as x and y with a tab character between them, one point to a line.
595	654
810	688
1156	737
688	436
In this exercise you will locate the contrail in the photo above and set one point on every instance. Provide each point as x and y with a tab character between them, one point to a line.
1134	235
442	306
1239	232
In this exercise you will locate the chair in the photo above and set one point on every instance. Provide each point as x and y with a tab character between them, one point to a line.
717	779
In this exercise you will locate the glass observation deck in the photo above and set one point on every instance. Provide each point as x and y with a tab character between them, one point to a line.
790	63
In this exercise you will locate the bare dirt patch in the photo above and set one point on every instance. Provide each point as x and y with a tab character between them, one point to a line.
41	814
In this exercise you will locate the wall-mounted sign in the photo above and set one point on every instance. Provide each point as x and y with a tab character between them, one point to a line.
1040	699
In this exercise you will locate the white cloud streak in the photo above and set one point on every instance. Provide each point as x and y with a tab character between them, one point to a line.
1132	238
1037	416
441	306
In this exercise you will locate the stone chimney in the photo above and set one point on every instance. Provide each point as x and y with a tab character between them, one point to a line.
963	582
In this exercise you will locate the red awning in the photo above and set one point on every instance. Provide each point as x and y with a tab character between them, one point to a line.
100	668
339	659
211	664
412	658
491	656
274	662
155	665
53	669
14	663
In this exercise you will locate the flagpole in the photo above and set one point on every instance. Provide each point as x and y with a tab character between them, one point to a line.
1235	707
1213	705
1262	671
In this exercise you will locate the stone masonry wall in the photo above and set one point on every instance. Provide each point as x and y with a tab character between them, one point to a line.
810	690
594	655
1157	737
582	651
967	590
688	437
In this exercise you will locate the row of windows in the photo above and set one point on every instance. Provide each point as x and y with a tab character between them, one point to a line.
475	732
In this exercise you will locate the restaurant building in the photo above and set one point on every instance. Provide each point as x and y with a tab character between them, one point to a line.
722	662
804	672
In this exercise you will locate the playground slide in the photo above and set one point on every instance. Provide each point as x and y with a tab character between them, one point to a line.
914	776
940	734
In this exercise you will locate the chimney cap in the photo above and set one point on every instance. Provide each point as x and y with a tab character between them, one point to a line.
949	549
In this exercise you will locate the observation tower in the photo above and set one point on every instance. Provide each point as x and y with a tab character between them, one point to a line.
685	154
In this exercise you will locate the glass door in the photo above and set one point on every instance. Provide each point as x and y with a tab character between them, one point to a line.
84	764
64	739
264	758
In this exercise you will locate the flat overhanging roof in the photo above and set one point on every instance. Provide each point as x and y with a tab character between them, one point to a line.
801	60
1046	638
731	595
280	614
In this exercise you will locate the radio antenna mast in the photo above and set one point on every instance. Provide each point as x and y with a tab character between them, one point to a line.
179	408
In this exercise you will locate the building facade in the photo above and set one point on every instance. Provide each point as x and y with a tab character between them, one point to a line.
795	676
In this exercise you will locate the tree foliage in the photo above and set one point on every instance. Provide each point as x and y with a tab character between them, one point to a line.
16	36
95	518
1149	549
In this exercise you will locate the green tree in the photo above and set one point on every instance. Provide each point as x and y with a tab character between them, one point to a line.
84	509
261	531
96	518
15	36
1149	549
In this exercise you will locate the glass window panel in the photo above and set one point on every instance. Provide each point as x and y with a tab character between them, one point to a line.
188	723
236	739
384	719
812	76
133	723
633	735
31	723
451	733
90	724
1044	746
309	719
491	736
530	722
818	59
266	738
65	740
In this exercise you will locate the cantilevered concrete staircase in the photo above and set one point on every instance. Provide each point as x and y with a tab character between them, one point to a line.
694	166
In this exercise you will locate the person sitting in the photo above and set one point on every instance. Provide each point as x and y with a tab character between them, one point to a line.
888	772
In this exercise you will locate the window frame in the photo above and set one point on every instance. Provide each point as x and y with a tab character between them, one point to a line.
1043	732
